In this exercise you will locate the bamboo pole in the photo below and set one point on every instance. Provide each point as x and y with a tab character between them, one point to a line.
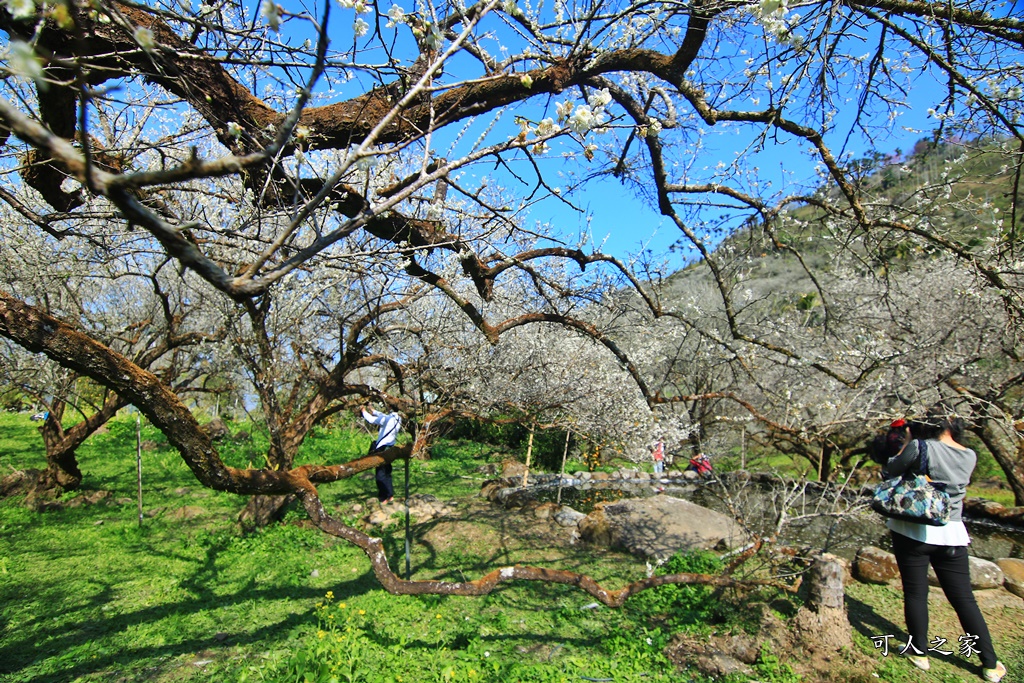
561	472
529	454
138	460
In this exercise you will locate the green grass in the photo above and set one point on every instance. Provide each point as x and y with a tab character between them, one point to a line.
86	594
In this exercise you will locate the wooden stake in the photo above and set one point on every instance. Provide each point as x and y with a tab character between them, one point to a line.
529	453
561	472
138	460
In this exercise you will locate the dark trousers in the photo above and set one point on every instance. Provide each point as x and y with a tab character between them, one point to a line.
385	487
952	568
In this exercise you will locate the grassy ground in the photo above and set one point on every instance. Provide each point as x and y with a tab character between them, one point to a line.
87	594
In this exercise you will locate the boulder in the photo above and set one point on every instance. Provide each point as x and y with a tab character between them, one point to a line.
513	468
187	512
984	574
566	516
1013	575
874	565
660	526
216	429
545	510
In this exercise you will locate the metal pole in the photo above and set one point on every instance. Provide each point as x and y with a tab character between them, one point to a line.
408	536
138	460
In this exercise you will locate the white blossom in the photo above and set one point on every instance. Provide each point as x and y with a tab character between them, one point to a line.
144	37
564	110
396	15
22	61
21	9
600	99
360	27
546	127
272	13
434	39
583	119
772	7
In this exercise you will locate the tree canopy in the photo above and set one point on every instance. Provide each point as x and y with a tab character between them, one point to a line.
356	183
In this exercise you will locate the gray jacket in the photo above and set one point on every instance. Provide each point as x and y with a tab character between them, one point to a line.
946	465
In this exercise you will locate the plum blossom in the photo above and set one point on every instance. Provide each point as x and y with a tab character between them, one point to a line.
433	39
564	110
600	99
360	27
22	60
396	15
21	9
584	119
772	7
144	37
546	127
272	13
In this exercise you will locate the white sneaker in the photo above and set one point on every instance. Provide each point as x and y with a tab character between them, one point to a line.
922	663
995	675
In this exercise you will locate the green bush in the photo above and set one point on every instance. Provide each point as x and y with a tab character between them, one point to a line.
682	606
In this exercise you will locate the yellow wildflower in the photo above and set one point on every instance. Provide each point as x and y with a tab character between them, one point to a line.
330	595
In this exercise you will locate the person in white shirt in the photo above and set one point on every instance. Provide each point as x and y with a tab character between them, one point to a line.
387	433
916	546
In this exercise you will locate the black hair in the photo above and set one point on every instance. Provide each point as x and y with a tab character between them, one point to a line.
885	446
940	417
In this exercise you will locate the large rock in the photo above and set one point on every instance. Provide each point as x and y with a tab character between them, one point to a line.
566	516
1013	575
874	565
659	526
216	429
984	574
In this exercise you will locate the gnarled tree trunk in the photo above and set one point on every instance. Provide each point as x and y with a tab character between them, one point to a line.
62	471
1000	439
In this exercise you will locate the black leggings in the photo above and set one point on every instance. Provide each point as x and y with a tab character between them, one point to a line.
953	569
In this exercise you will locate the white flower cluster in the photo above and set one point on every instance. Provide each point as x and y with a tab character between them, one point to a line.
272	13
586	117
21	9
360	27
396	15
144	37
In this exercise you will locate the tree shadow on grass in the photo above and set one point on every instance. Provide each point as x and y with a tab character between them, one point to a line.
88	640
874	626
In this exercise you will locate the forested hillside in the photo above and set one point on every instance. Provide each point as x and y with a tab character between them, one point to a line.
851	329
